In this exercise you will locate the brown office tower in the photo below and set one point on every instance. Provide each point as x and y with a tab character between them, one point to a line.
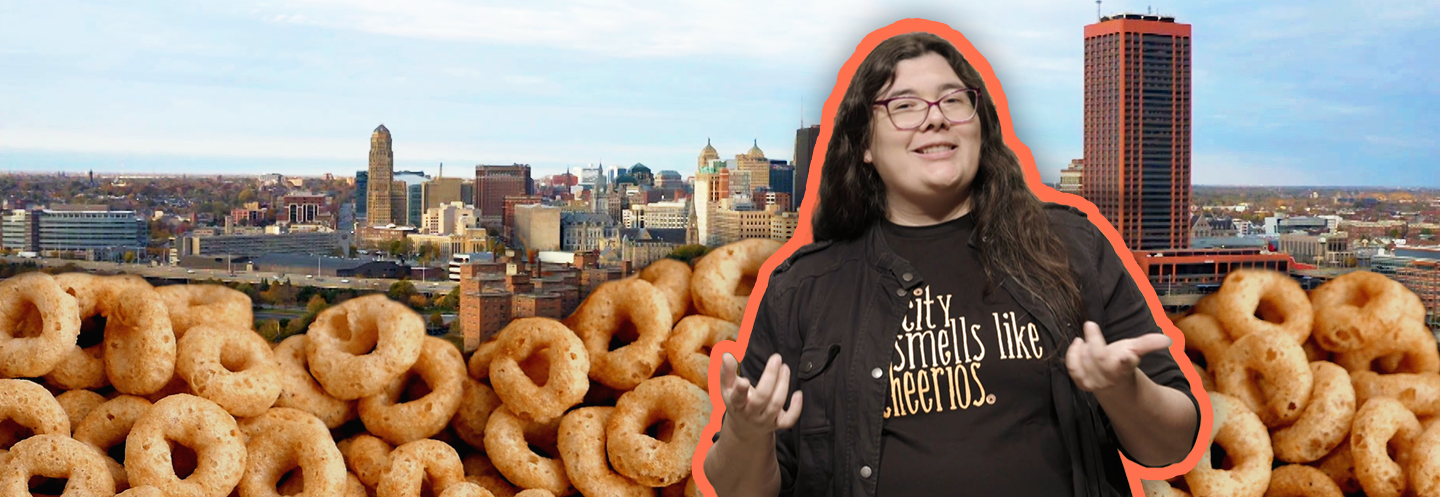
494	183
382	167
1137	128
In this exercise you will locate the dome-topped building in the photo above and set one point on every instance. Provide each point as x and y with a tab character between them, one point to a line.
755	152
642	175
707	154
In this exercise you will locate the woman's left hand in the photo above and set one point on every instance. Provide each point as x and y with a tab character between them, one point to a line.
1097	367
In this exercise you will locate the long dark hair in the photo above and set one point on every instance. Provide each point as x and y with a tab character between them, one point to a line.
1014	232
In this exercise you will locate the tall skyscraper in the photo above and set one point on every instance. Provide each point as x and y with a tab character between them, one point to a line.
805	139
754	164
362	193
494	183
1137	127
379	185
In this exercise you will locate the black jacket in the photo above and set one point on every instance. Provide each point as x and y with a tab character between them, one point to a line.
832	310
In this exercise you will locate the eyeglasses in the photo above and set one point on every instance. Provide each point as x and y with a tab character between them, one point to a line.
907	113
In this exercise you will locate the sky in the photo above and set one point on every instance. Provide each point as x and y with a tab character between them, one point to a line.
1334	93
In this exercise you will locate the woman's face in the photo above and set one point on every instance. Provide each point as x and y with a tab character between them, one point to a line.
936	161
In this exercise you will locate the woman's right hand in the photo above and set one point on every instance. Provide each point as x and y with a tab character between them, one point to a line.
757	410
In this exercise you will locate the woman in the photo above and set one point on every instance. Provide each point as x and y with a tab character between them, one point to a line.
933	259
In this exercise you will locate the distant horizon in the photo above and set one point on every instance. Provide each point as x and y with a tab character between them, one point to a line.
128	174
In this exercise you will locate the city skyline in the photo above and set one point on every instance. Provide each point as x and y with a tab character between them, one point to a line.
1284	94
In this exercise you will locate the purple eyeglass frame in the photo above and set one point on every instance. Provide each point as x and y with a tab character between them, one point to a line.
976	101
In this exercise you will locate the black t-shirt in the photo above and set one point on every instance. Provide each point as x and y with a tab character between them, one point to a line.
970	410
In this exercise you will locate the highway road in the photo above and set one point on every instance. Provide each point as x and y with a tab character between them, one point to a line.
254	278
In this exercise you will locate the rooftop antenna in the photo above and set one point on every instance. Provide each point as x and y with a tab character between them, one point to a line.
1097	10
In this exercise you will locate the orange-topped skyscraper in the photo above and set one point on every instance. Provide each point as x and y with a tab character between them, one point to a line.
1137	127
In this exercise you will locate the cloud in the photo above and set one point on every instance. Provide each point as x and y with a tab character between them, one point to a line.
1400	141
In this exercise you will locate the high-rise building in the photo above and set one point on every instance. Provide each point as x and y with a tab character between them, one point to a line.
707	155
441	191
782	177
414	204
1137	128
712	183
754	164
1072	178
380	208
494	183
362	194
537	227
805	139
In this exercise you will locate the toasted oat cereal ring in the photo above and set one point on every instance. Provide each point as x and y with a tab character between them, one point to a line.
723	278
1285	381
1340	467
146	491
28	406
1409	349
1207	381
508	439
233	367
81	369
631	312
688	348
1424	469
480	471
192	305
1205	334
176	386
645	459
367	456
1246	443
1278	301
1206	305
1325	421
1298	480
1314	352
139	346
39	324
1419	393
55	456
416	463
687	488
84	366
106	428
1382	424
295	484
1359	307
582	449
479	364
442	370
198	424
299	390
477	401
78	403
672	278
292	438
341	336
1153	488
540	339
466	489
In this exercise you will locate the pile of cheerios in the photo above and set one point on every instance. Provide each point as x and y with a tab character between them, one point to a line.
108	385
1330	393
